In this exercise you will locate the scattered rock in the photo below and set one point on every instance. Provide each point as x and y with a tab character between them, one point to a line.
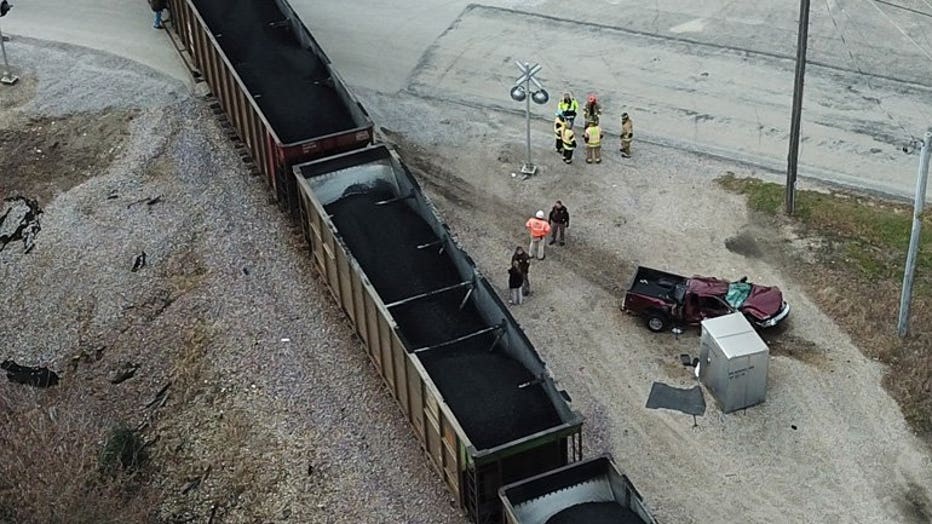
19	220
125	372
140	262
745	244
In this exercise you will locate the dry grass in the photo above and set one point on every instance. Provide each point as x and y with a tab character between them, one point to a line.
50	459
189	364
856	277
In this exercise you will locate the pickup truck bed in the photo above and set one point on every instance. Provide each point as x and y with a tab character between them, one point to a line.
655	283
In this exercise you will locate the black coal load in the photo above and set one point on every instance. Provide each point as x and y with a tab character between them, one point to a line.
596	513
291	84
488	391
384	239
484	391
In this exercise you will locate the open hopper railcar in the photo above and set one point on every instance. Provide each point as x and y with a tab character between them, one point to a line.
480	399
274	82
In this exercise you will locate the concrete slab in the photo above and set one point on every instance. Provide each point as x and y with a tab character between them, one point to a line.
705	97
856	123
122	28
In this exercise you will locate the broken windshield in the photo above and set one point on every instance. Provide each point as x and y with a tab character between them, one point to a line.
738	292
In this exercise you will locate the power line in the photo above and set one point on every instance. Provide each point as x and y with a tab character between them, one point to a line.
873	3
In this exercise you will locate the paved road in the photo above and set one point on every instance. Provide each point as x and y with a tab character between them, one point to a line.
712	76
849	33
695	96
709	75
120	27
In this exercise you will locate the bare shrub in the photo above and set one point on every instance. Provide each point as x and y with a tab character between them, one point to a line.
50	445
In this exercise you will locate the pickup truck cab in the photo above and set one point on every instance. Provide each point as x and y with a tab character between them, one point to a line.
665	299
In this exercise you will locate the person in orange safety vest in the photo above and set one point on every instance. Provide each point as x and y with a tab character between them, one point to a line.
539	228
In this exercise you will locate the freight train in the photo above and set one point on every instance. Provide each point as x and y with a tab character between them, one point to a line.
479	398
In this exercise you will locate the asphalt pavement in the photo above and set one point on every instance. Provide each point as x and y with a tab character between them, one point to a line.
123	28
713	76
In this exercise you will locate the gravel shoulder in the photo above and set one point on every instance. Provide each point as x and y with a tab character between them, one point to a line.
829	445
270	392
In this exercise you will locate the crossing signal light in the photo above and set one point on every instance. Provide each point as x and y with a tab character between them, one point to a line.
5	7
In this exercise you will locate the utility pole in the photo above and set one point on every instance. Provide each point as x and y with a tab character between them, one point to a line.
793	158
902	326
519	93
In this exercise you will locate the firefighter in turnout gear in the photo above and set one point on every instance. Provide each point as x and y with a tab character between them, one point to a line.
592	110
569	144
627	134
593	139
559	124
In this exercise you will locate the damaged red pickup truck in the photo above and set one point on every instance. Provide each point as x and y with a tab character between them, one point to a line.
665	300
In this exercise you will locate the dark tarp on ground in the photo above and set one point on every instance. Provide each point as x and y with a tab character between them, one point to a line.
689	401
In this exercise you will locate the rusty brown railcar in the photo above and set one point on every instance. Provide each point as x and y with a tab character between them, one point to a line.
275	84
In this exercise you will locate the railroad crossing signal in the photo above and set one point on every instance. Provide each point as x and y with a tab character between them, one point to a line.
519	93
7	78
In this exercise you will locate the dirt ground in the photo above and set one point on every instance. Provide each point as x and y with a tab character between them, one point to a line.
273	412
43	156
270	410
829	445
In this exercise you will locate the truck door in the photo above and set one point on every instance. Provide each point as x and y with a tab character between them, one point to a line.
690	313
711	307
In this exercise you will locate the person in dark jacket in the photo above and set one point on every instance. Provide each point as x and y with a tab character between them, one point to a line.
524	263
157	7
515	281
559	222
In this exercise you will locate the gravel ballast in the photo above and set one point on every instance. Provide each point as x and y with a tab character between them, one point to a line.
269	388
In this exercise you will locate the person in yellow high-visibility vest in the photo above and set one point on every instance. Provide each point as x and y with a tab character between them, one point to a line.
568	106
593	138
558	125
569	144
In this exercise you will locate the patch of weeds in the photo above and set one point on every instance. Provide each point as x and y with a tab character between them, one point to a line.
875	233
190	362
124	450
856	278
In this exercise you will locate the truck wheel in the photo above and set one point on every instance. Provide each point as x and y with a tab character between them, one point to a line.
656	322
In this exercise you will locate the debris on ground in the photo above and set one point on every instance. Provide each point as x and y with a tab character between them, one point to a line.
19	220
139	262
40	377
125	372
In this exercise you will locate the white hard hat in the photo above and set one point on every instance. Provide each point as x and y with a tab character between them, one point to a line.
540	214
